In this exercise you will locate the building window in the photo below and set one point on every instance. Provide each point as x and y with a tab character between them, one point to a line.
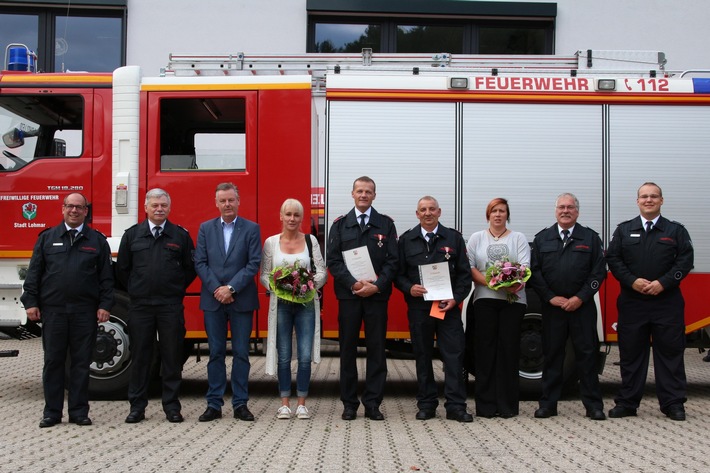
421	26
77	36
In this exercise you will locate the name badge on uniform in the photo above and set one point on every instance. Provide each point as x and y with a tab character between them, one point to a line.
58	244
635	235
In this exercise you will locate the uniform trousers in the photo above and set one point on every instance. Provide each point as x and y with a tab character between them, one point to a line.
75	334
351	315
497	351
581	327
640	321
451	341
169	322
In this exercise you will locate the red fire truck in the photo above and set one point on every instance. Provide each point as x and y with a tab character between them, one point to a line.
462	128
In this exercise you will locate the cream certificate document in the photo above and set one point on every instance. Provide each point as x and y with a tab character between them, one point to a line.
436	280
359	264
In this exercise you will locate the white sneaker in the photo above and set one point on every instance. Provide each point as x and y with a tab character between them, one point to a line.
284	412
302	412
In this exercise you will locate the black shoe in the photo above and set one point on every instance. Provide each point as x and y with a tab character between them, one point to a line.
174	417
485	415
707	357
459	416
507	415
80	420
545	412
210	414
134	417
49	422
595	414
242	413
675	412
374	414
426	414
349	413
620	411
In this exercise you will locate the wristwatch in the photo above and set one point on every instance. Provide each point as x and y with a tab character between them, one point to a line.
231	289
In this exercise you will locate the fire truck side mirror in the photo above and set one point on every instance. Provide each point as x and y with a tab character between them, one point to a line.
13	138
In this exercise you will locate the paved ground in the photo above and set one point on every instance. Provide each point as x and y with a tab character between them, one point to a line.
567	443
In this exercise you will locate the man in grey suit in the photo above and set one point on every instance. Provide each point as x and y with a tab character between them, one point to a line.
227	258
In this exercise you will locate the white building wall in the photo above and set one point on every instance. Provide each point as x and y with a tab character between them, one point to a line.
158	27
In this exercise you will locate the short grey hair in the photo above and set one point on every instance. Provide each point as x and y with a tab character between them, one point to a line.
227	186
156	193
568	194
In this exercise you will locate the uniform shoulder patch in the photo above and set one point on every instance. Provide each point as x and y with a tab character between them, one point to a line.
542	231
388	217
105	237
339	218
180	226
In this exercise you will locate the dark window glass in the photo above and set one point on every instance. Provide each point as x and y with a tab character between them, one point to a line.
346	38
494	40
429	39
23	29
87	44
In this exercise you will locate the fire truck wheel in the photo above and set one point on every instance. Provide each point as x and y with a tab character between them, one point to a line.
111	362
531	356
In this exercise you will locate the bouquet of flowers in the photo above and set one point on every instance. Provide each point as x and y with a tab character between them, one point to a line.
504	274
293	283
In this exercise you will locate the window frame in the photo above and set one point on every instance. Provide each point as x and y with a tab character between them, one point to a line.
471	15
47	13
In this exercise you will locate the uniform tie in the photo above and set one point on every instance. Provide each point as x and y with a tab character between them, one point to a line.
565	237
72	235
362	222
157	231
430	240
649	226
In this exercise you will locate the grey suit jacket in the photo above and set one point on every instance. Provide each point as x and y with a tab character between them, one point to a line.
237	267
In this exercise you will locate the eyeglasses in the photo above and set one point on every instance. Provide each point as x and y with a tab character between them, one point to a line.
566	207
649	196
74	207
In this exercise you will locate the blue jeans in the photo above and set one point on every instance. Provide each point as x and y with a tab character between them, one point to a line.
302	317
216	328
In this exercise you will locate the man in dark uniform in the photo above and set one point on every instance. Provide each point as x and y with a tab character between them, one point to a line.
363	300
428	243
650	255
69	286
567	265
155	265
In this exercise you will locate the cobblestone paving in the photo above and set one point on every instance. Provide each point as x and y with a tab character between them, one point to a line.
325	443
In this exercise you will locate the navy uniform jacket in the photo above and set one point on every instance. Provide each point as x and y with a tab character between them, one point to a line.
156	272
69	278
413	251
577	270
380	237
665	254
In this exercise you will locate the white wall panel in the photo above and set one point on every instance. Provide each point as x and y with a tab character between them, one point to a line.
529	154
668	145
406	147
